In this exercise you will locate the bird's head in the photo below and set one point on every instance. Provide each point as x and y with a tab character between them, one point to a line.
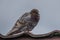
34	11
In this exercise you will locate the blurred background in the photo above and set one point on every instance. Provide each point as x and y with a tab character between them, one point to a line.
11	10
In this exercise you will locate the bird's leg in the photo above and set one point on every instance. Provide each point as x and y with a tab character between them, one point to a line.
26	30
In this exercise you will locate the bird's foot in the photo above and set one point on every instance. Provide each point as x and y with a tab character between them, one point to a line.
27	31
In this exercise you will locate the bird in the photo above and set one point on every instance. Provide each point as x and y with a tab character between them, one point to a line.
26	22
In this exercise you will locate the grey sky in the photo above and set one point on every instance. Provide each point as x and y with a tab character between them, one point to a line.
11	10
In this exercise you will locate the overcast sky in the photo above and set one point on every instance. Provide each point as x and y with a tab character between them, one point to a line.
11	10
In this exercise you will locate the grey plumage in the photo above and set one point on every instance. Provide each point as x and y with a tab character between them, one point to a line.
26	23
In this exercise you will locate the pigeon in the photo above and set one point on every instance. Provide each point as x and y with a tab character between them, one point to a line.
26	22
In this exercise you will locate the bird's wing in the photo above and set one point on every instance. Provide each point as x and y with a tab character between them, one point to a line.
20	23
24	18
